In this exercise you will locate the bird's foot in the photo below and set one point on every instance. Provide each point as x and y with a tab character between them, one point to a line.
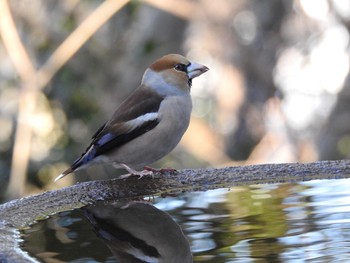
162	170
132	171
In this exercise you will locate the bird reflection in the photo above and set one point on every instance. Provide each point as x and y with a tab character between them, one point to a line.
138	232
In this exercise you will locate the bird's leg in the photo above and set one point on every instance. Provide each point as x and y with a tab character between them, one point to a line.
134	172
129	169
162	170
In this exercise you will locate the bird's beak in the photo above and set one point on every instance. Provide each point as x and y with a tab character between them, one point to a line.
195	70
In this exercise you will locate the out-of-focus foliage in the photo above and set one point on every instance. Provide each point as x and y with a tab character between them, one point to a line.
277	89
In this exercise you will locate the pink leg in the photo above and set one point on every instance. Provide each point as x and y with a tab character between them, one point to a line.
134	172
162	170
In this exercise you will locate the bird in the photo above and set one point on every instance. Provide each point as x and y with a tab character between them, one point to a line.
149	123
134	232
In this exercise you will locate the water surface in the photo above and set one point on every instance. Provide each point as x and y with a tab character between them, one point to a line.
301	222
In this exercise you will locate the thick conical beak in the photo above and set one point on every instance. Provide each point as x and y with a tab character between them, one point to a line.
195	70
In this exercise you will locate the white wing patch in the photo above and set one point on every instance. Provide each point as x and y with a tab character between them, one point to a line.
141	120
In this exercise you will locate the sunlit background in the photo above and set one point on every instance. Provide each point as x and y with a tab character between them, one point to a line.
277	89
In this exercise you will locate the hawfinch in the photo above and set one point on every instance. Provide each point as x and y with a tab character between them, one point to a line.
139	232
149	123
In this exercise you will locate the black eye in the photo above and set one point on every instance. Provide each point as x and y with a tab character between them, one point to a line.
181	67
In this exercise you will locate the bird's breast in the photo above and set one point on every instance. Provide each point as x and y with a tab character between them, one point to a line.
175	112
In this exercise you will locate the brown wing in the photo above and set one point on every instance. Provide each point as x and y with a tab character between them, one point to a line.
114	133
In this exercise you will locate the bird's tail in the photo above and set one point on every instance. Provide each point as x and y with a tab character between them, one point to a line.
66	172
85	158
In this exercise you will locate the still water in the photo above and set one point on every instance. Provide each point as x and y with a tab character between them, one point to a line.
302	222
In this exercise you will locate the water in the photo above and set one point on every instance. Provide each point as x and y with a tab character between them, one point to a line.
304	222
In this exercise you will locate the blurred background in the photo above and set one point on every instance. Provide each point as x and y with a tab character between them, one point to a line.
277	91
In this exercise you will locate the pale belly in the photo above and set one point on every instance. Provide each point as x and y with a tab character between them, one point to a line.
157	143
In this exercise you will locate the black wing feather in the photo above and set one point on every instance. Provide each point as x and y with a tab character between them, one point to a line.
111	141
108	137
120	139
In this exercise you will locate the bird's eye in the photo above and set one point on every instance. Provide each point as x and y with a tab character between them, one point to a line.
181	67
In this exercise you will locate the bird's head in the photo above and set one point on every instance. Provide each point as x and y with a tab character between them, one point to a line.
172	70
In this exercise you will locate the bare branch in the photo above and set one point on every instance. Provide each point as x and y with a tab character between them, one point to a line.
26	101
33	81
78	38
181	8
14	45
